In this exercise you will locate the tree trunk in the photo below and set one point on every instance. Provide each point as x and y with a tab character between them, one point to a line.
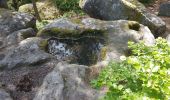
36	10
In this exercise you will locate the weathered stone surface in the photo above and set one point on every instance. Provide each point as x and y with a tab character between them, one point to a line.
123	9
46	9
4	95
66	82
28	52
164	9
17	36
52	87
115	35
14	21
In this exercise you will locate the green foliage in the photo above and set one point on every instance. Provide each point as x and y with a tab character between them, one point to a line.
144	75
67	5
72	14
17	3
41	24
146	1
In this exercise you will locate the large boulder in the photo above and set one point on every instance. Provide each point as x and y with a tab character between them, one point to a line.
90	40
13	21
66	82
123	9
28	52
15	37
164	9
14	27
46	9
51	88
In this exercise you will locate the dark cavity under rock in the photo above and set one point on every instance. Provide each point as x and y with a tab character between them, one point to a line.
84	50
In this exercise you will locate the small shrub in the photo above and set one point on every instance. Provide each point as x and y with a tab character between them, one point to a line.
40	25
67	5
144	75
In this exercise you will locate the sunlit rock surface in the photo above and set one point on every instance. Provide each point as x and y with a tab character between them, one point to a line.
90	40
123	9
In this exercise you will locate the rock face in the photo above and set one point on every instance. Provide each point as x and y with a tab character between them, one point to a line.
25	60
52	87
14	21
28	52
17	36
123	9
114	36
4	95
15	27
66	82
164	9
46	9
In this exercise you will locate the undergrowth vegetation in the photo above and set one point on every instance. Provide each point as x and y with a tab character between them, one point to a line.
146	1
145	75
67	5
68	8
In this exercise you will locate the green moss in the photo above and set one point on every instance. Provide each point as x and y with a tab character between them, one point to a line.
68	33
77	21
43	44
134	10
57	32
103	52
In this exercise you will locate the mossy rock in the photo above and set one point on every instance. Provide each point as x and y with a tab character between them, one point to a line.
64	28
113	34
124	9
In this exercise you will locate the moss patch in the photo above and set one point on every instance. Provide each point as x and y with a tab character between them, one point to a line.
43	45
68	33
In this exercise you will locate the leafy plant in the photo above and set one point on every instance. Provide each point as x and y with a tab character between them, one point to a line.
67	5
41	24
144	75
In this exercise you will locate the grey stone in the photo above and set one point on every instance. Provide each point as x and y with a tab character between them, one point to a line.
17	36
27	52
66	82
164	9
75	87
11	21
4	95
123	9
52	87
116	34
